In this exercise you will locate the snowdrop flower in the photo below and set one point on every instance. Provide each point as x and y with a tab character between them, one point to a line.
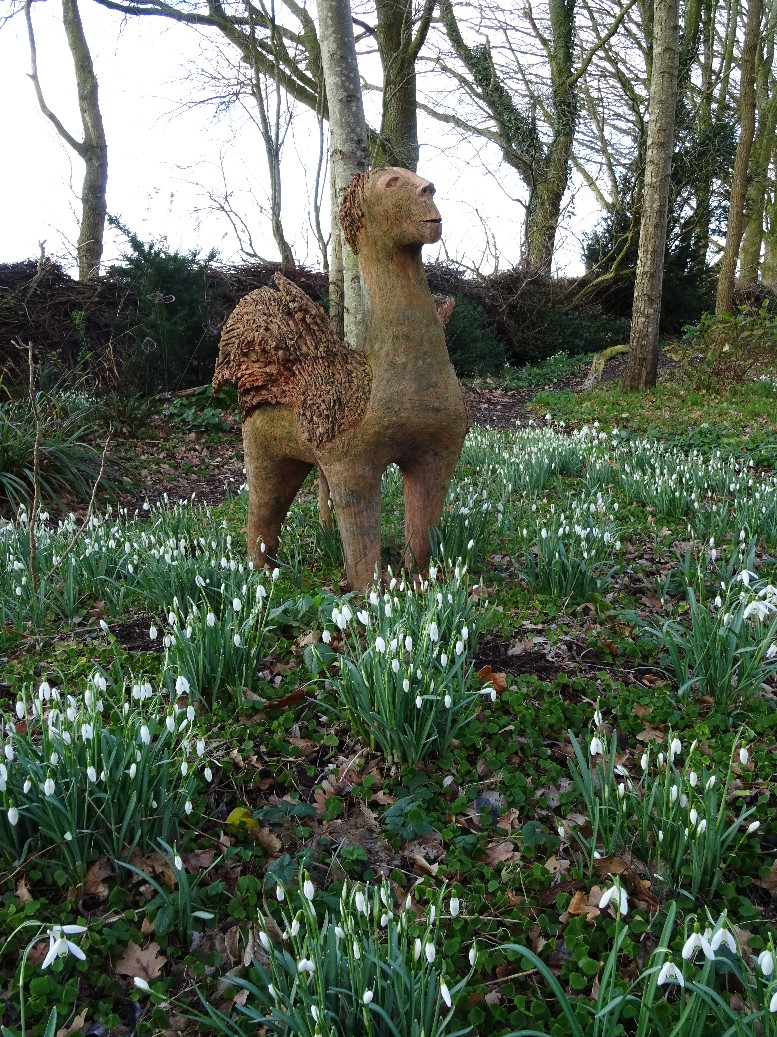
406	684
60	946
236	640
141	984
210	620
473	954
237	604
675	749
617	893
670	974
744	756
418	702
326	637
170	723
91	774
367	996
181	685
364	617
723	935
188	806
361	903
448	701
697	942
430	952
395	665
380	645
596	748
710	782
133	770
445	994
308	889
200	746
693	779
208	774
295	926
104	626
701	827
455	906
145	735
766	963
305	965
264	939
48	787
753	827
434	633
13	816
152	632
177	862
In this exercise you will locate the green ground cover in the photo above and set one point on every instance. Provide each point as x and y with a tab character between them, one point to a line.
534	794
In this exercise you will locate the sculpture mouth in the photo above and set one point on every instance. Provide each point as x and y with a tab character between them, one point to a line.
437	221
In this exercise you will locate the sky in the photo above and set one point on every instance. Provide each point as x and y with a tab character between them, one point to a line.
166	157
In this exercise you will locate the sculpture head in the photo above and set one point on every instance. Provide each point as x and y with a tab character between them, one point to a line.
390	207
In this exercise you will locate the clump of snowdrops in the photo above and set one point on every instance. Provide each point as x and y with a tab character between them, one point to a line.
675	816
728	649
105	770
722	989
404	680
360	967
220	646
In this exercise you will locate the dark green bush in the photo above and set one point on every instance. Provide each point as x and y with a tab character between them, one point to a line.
721	352
172	315
583	331
472	343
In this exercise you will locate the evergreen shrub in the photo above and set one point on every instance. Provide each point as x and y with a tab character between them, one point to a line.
172	314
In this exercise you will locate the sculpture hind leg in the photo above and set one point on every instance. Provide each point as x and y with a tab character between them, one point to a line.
273	483
426	486
355	493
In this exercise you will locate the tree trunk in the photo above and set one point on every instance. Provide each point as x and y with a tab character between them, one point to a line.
724	300
766	100
398	138
642	367
348	149
93	150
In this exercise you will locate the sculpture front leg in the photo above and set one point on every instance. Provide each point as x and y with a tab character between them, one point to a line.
355	493
426	486
273	483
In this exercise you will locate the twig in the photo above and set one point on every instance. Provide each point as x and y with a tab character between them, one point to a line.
33	517
89	511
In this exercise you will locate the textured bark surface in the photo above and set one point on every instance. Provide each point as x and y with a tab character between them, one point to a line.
298	383
279	347
348	151
93	149
724	300
642	367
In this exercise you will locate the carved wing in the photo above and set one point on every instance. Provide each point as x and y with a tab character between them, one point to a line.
279	347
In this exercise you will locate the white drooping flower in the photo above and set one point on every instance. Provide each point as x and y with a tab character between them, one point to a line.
596	748
696	941
670	974
619	895
430	952
308	889
445	994
766	962
367	996
60	946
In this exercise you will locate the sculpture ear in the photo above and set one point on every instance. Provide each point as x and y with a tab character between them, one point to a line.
392	181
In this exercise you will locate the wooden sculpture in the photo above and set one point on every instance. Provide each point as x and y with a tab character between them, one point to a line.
309	399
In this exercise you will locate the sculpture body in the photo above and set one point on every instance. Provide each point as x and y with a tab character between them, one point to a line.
311	400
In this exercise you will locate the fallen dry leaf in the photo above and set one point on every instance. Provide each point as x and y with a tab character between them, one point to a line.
501	853
23	894
145	962
585	904
93	880
498	681
75	1025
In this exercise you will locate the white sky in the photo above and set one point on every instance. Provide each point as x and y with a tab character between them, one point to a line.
163	159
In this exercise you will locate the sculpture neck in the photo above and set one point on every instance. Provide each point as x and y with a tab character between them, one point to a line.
398	301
